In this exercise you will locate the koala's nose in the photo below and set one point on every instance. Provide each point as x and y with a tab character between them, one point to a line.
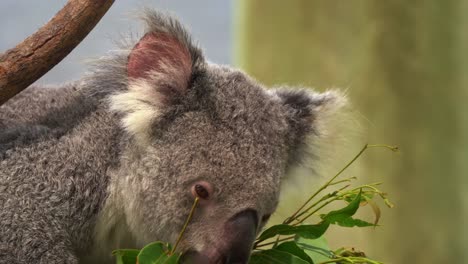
233	247
240	233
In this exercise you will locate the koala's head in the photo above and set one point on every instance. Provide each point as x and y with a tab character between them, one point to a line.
196	129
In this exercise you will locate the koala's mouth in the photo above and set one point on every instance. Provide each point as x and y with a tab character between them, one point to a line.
238	237
195	257
212	257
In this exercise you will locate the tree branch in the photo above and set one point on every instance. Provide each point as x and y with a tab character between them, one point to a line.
40	52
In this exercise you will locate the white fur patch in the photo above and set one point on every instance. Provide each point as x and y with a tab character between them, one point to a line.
111	230
331	113
337	128
139	104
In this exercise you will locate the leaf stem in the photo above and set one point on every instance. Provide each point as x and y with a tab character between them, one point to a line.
299	221
195	202
323	187
276	241
351	260
324	198
344	180
330	182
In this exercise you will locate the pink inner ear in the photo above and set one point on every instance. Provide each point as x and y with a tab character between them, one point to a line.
161	53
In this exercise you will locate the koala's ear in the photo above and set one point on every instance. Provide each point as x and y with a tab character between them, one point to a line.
162	61
313	119
159	70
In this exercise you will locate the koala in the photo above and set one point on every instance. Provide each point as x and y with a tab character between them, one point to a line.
116	159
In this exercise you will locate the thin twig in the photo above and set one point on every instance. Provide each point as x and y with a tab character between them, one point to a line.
351	260
185	225
323	187
321	200
279	240
300	221
330	182
344	180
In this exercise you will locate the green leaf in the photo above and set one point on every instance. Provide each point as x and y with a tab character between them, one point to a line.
317	249
157	253
172	259
126	256
307	231
352	222
345	212
293	249
273	256
365	196
349	252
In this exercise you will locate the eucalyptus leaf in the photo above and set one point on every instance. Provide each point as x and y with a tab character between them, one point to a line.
365	197
306	231
292	248
126	256
157	253
273	256
317	249
172	259
345	212
352	222
376	210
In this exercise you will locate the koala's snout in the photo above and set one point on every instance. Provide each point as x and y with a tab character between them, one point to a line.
241	231
234	245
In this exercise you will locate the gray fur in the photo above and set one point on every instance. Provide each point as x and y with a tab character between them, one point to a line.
76	184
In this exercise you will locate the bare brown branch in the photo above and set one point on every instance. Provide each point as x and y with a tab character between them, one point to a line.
40	52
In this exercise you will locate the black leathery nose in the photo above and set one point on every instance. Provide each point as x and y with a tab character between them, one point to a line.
241	230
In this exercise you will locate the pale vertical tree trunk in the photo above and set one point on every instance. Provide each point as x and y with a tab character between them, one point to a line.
404	64
415	61
463	148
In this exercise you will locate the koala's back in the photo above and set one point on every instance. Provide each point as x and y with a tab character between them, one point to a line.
35	101
39	111
55	147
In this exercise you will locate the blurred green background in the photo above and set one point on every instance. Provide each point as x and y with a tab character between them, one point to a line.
404	66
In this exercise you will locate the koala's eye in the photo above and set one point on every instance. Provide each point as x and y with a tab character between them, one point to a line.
201	190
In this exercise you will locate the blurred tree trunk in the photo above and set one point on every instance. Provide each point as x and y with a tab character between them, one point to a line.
404	66
463	148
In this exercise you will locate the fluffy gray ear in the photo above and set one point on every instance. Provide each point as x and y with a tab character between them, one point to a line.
313	118
159	71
